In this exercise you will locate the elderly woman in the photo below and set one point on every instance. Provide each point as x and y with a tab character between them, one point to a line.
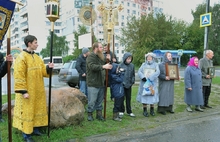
166	87
193	85
149	72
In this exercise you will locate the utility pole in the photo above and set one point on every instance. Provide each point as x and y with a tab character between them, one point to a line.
206	29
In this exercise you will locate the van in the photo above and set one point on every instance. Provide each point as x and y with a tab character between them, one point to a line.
57	60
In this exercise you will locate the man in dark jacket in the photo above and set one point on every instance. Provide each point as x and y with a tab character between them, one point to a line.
3	71
95	73
81	68
113	56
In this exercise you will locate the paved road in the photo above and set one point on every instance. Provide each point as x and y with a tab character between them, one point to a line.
203	128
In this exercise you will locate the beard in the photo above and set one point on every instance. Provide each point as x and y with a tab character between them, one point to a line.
100	55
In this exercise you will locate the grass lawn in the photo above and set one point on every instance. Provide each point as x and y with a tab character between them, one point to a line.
139	123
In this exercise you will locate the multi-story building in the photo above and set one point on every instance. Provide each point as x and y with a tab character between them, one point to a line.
31	19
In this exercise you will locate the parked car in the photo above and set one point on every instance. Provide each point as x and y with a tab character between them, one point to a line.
69	74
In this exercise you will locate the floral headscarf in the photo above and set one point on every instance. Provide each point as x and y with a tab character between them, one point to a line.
191	62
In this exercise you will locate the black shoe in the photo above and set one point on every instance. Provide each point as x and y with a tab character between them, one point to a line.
202	107
101	118
208	106
171	111
145	113
163	112
29	140
90	118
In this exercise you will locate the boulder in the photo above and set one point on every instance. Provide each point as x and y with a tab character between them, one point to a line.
67	106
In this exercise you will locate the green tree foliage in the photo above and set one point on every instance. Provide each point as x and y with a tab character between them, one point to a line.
146	34
81	31
60	46
214	34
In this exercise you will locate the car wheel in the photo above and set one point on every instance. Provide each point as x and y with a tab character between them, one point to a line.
71	84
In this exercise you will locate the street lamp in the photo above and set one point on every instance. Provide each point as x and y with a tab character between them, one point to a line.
52	7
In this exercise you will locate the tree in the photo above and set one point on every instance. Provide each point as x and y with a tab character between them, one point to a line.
149	33
60	46
214	34
81	31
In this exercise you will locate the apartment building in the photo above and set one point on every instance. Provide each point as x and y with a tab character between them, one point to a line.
31	19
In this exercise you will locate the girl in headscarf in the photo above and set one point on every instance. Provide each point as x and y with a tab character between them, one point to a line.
193	85
148	71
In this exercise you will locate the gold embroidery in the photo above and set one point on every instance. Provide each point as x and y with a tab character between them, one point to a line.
8	18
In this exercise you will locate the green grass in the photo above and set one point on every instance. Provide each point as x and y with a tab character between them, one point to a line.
139	123
216	80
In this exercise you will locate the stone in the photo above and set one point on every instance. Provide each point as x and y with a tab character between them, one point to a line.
67	106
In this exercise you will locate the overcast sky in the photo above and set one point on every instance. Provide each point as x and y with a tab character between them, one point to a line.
181	9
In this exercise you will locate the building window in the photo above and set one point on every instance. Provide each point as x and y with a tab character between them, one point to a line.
122	51
148	8
56	31
128	11
134	5
122	17
128	4
134	12
117	51
122	23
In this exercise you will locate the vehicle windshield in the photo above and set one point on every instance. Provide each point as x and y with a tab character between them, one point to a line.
56	60
66	65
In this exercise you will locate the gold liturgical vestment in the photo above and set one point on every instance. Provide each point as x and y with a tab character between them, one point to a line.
29	70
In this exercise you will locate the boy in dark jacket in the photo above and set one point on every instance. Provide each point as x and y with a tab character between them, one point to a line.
129	80
116	77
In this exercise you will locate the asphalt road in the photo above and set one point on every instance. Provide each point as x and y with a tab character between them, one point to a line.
203	128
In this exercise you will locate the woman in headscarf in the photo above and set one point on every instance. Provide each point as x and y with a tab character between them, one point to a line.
149	72
193	85
166	87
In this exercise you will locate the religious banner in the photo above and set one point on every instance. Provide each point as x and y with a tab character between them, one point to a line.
6	12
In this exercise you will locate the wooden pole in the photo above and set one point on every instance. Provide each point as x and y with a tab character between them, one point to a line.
106	73
91	23
9	85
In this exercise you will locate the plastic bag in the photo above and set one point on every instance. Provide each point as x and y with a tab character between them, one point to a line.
148	88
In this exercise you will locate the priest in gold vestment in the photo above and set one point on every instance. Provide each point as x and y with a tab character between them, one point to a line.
30	109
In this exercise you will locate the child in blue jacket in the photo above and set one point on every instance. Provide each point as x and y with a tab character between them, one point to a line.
116	76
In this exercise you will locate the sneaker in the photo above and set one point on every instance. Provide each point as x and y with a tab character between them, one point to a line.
188	108
131	114
120	113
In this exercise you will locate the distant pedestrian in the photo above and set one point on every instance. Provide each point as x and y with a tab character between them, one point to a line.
204	64
95	71
149	71
81	68
3	72
113	56
166	87
193	85
129	80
